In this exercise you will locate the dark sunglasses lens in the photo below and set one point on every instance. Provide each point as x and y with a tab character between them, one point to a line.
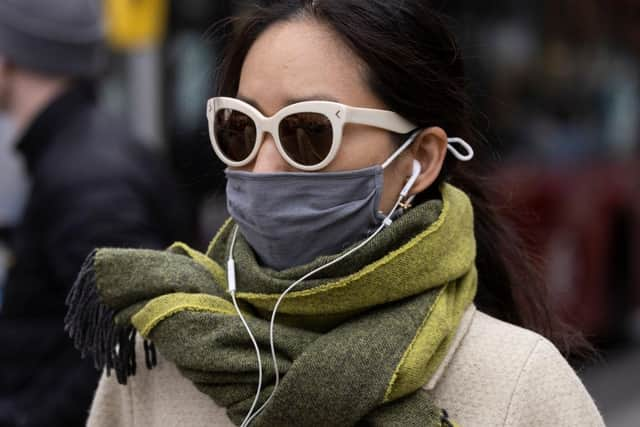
306	137
235	134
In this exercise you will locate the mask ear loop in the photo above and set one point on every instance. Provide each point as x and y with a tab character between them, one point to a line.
403	147
458	155
451	146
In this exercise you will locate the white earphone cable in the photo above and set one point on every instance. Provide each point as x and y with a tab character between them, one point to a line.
232	290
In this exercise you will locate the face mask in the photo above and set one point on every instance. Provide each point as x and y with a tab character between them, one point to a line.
291	218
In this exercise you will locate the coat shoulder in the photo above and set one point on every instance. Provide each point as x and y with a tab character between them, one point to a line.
501	372
158	397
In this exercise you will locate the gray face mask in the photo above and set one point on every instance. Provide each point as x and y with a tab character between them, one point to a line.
291	218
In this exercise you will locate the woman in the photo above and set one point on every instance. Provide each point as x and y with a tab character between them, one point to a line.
334	116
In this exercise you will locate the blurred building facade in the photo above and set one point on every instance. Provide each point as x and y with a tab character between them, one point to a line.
558	80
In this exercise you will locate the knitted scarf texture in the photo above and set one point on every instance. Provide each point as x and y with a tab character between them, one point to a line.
355	344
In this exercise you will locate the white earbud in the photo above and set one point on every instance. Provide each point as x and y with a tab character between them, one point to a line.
417	169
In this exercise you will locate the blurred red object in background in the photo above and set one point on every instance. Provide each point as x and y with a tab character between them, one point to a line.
583	223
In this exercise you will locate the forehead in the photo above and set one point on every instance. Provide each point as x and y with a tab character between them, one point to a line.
301	60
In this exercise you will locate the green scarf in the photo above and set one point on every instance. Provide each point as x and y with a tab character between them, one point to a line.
355	344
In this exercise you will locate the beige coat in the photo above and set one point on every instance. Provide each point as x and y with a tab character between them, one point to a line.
495	374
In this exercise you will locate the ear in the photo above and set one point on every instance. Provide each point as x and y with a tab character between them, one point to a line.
430	149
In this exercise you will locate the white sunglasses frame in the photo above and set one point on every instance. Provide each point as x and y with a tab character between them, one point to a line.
337	114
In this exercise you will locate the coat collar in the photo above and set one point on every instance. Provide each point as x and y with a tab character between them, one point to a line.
463	328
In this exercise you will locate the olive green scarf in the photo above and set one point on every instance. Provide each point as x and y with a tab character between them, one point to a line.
355	344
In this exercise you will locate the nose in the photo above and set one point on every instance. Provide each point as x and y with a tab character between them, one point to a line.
268	158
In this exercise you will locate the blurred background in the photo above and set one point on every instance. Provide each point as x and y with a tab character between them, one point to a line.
557	89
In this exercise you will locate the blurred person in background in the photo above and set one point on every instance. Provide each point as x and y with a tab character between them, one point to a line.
91	185
13	190
340	123
13	180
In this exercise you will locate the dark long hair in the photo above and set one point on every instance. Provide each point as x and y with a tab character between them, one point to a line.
413	64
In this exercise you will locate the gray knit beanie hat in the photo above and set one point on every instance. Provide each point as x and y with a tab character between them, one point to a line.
61	37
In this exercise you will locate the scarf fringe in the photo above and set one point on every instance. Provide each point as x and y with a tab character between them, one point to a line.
91	324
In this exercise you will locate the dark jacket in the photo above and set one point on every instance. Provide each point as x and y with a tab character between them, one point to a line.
91	186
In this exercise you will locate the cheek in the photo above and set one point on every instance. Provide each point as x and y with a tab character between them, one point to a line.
393	182
362	146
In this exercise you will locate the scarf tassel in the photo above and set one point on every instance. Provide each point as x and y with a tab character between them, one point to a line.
91	324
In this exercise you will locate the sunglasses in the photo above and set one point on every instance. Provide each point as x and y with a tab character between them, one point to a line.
307	134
